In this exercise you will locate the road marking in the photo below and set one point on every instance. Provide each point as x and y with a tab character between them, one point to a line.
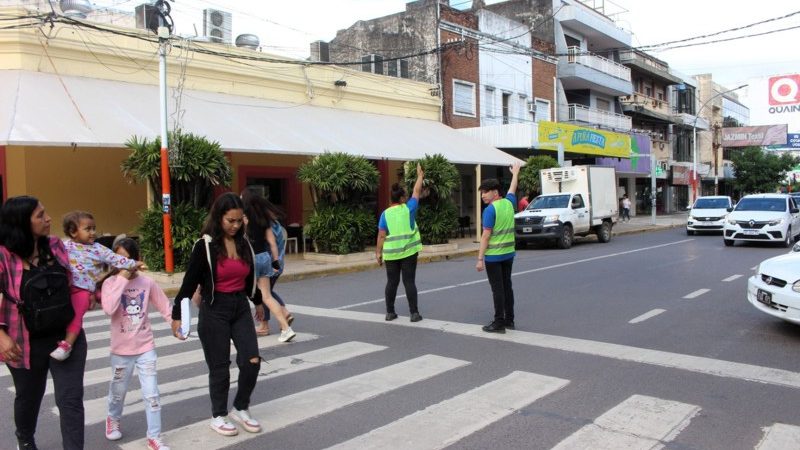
754	268
680	361
451	420
197	386
780	437
101	335
525	272
168	341
732	277
639	422
314	402
647	315
696	293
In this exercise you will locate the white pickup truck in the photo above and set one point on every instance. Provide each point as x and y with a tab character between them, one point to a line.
575	201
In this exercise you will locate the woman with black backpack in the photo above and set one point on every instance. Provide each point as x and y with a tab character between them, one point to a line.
35	310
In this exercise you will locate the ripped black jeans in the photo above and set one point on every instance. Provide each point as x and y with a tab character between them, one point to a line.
228	319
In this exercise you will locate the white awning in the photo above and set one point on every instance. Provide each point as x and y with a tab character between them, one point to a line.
42	109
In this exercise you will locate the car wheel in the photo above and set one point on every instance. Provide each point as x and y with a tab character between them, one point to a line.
789	238
565	241
689	232
604	232
728	242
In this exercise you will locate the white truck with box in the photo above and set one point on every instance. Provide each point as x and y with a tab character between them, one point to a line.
575	201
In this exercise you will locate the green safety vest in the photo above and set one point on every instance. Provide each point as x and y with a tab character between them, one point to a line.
501	242
401	241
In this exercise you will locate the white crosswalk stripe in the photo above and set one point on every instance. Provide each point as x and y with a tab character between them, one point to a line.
639	422
285	411
780	437
460	416
198	386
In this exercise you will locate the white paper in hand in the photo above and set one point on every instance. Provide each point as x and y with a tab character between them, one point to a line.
186	317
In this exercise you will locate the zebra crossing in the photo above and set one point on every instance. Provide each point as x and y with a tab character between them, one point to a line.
637	422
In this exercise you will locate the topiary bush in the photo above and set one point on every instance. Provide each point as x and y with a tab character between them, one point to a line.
341	229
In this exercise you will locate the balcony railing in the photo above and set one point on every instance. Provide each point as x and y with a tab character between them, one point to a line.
575	55
632	55
646	102
584	114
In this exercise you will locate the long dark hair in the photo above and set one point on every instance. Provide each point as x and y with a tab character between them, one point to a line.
213	226
260	212
15	229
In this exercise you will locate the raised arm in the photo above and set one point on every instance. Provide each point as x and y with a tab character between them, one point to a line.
418	185
512	188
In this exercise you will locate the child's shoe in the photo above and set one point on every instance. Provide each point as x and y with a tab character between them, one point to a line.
112	429
287	335
156	444
62	351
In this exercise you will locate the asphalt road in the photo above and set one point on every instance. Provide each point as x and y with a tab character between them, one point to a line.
645	341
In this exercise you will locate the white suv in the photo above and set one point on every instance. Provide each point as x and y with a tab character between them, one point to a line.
763	218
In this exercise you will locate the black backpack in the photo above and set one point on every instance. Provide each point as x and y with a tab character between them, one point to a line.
46	307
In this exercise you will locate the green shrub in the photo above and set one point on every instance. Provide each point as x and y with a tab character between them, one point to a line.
341	228
186	224
437	222
437	216
529	176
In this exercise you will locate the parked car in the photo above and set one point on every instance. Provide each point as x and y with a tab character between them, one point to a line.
708	214
763	218
775	288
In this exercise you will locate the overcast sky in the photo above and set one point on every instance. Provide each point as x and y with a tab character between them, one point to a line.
288	26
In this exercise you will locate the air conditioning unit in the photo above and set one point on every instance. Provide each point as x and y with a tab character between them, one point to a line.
217	25
561	175
532	107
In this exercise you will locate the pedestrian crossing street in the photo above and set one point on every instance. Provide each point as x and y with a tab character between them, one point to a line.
637	422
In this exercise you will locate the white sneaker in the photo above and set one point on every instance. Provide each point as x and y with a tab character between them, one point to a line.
287	335
223	426
156	444
61	352
243	417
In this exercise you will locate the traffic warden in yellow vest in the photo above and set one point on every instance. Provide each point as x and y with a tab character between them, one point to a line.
398	245
496	253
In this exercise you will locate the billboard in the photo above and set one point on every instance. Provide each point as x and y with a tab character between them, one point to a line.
747	136
640	157
583	140
793	140
775	99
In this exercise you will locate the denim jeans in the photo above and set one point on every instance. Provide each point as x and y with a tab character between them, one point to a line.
499	274
68	383
121	371
408	268
228	318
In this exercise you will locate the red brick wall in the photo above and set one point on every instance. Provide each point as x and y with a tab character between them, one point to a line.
459	62
543	82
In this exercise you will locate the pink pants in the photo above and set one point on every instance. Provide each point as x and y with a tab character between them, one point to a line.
80	303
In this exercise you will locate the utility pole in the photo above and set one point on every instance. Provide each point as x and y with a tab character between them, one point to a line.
164	30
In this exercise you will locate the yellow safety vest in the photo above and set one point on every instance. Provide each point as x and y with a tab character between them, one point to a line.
501	242
401	241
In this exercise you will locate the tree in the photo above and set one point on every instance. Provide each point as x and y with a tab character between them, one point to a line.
198	166
342	186
760	171
437	216
529	173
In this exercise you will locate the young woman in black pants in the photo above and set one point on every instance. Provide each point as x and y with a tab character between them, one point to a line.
222	264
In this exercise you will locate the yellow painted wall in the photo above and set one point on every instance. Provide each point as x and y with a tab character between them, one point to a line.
84	178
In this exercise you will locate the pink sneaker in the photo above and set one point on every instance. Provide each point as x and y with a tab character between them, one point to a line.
62	351
156	444
112	429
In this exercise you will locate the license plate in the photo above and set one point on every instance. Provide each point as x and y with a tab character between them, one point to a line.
750	232
527	229
764	297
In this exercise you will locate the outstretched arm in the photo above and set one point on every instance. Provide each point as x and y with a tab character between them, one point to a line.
512	188
418	185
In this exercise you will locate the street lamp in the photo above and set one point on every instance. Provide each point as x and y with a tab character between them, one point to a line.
694	137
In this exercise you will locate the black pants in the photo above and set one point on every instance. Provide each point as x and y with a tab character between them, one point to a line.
408	268
499	274
228	319
67	375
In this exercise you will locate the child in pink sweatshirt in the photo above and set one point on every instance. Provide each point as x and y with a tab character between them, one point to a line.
125	297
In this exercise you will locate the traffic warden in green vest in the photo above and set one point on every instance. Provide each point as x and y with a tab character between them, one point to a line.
496	253
398	246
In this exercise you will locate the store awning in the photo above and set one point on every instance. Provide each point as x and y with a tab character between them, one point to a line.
43	109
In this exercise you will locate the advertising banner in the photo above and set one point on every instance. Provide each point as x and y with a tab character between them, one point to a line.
680	175
747	136
775	99
793	140
583	140
640	157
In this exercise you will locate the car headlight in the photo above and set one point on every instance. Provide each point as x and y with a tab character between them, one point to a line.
551	219
731	222
776	222
796	286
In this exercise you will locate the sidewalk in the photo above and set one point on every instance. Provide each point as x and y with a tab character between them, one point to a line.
298	268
